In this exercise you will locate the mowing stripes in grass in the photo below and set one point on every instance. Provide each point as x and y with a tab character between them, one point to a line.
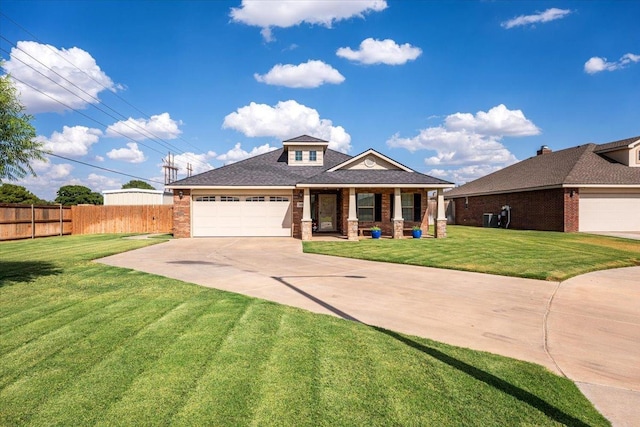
65	363
289	393
161	391
93	392
227	392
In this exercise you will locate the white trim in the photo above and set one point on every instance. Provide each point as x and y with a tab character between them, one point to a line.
134	190
373	152
601	186
374	185
232	187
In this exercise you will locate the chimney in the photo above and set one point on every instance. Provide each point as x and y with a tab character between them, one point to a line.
544	150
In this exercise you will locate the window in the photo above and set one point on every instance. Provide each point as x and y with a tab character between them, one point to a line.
229	199
206	199
313	156
366	206
298	156
278	199
255	199
407	206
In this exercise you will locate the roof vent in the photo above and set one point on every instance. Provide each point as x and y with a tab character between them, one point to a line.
544	150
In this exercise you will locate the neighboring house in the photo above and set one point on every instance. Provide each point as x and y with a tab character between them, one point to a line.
136	196
306	188
586	188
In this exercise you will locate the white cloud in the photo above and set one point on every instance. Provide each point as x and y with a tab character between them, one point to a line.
287	119
307	75
541	17
130	155
199	162
70	65
374	51
98	183
237	153
51	176
499	121
466	139
73	141
286	13
465	173
597	64
159	126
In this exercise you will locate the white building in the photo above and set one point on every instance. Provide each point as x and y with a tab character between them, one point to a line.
136	196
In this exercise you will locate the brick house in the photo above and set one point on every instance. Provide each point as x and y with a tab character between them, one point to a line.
303	189
591	187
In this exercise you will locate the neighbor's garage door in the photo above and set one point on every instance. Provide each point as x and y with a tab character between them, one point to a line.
609	211
241	216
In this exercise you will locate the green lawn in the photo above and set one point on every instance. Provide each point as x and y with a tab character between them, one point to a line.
82	343
532	254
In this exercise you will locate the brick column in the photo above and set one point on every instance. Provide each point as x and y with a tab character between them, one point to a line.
307	229
352	230
441	218
181	213
398	228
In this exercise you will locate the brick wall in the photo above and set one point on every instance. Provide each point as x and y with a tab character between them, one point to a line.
550	210
296	219
182	214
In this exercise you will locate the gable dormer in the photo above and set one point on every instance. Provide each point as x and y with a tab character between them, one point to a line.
626	151
305	151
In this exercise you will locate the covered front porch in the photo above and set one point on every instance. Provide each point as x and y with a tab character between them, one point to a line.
352	211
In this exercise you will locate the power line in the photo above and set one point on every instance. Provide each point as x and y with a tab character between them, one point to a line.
90	76
102	168
166	145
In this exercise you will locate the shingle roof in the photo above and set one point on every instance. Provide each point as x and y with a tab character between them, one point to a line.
272	169
306	138
576	166
269	169
616	144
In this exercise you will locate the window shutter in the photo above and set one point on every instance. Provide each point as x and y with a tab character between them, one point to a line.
378	207
417	207
391	204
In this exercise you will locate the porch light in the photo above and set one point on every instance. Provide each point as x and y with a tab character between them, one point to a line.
180	194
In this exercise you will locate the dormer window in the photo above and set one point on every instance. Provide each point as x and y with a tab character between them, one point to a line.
298	155
312	156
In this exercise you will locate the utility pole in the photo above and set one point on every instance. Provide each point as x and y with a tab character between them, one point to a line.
170	170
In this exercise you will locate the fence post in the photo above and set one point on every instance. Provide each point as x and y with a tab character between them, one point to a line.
61	225
33	222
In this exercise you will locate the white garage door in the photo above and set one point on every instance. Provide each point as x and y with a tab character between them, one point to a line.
241	216
609	212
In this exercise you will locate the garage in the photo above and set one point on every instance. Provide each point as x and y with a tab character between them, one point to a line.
241	215
609	211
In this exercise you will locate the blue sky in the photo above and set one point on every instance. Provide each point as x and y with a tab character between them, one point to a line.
454	89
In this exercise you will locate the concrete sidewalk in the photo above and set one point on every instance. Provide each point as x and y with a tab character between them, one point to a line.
498	314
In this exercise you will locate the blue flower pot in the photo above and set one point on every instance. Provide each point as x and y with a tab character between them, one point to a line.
416	234
375	234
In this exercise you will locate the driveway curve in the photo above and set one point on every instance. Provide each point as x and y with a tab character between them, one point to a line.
587	328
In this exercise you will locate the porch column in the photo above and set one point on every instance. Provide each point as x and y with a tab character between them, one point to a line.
441	218
305	224
352	220
398	222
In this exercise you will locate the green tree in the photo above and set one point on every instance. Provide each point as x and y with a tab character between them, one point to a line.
10	193
77	194
18	145
136	183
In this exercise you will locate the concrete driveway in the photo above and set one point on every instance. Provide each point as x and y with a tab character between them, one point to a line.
587	328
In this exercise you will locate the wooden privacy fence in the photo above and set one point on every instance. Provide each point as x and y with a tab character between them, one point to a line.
31	221
122	219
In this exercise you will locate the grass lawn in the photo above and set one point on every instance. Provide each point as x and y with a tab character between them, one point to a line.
86	344
532	254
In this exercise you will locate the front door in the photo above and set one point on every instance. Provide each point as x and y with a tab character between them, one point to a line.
327	204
